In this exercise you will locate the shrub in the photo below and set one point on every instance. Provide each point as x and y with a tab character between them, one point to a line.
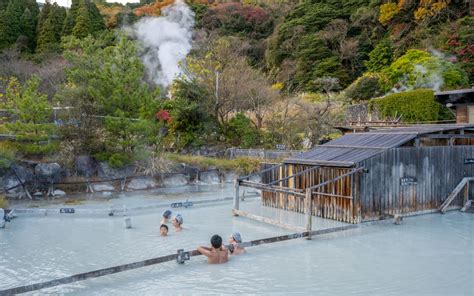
240	131
387	12
414	106
118	160
365	87
419	69
241	165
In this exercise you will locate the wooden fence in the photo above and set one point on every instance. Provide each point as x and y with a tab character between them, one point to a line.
413	179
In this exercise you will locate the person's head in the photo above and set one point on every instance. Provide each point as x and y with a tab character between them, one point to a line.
178	220
235	237
163	230
167	214
216	241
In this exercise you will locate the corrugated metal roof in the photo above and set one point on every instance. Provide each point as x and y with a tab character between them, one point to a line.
351	148
423	128
355	147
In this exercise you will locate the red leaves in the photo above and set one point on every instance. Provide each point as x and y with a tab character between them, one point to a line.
163	115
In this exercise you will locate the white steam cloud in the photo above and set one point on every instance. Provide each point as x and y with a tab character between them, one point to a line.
167	40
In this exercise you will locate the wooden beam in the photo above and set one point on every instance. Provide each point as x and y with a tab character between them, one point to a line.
270	188
236	195
308	209
332	195
267	220
294	175
330	163
454	193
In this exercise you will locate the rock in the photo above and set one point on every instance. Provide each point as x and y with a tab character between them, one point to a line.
106	172
189	170
210	177
10	179
103	187
142	183
85	166
175	180
230	177
49	172
58	192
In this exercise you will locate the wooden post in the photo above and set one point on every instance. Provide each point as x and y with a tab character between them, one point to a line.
466	193
308	206
236	195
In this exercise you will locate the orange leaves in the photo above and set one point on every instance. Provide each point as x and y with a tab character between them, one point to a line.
153	9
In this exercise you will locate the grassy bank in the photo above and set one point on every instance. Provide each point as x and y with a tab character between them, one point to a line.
241	165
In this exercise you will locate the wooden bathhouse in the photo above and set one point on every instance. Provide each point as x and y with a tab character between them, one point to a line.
375	174
461	101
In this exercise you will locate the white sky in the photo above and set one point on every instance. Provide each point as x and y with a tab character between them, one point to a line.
67	3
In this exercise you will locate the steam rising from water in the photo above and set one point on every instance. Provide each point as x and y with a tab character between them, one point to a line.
167	40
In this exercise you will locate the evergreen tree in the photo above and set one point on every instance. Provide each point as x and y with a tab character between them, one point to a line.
97	21
83	25
32	112
50	28
122	96
70	20
14	22
27	28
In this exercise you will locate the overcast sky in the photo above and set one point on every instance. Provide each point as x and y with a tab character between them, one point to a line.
68	2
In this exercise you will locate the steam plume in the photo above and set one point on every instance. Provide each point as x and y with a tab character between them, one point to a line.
166	40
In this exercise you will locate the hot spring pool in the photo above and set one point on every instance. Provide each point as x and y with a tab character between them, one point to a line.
426	255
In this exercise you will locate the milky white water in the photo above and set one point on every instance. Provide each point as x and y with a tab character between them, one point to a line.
426	255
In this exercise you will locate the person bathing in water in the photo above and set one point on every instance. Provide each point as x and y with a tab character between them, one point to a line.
164	230
177	222
234	248
166	217
217	253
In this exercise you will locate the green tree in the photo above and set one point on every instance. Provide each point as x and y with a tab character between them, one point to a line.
106	81
83	25
70	20
380	57
28	29
15	22
50	27
32	112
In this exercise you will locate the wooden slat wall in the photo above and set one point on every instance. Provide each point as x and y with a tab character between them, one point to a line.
337	208
437	171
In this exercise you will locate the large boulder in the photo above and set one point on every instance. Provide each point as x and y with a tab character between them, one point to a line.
49	172
142	183
107	172
175	180
210	177
86	166
189	170
14	177
103	187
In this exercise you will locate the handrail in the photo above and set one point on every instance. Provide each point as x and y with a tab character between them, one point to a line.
260	172
465	181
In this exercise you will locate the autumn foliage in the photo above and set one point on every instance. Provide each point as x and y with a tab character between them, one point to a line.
153	9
